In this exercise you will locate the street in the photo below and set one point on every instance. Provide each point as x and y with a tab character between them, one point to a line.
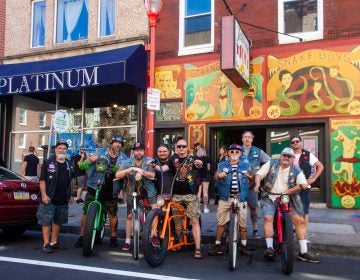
22	258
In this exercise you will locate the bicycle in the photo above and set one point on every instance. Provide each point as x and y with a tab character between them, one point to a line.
233	234
283	232
94	225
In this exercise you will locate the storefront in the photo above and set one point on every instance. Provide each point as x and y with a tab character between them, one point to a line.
102	92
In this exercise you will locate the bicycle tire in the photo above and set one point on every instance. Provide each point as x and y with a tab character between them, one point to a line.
101	232
233	240
155	254
287	248
136	232
90	230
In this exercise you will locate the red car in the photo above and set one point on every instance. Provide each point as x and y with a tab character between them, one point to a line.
19	200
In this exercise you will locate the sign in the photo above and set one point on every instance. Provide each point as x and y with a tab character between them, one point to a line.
153	99
235	52
61	121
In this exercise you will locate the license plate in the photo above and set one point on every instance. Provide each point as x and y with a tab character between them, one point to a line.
21	196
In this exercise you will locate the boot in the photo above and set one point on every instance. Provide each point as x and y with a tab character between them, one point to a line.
244	251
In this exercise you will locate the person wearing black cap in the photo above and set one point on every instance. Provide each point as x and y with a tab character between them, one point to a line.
80	175
55	188
311	167
101	167
282	176
140	178
232	180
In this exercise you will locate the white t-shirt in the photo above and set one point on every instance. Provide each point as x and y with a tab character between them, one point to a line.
281	182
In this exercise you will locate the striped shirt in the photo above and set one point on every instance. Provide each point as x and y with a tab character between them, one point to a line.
234	181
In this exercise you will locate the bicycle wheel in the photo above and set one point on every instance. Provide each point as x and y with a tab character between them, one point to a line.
90	230
287	248
136	232
233	240
155	248
100	232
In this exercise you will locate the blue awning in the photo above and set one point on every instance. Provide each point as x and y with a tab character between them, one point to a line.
124	65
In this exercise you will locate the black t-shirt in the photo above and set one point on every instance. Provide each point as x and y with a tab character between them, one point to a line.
32	163
184	178
62	184
166	179
203	172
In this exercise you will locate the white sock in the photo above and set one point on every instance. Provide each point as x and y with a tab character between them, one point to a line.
243	242
269	242
217	242
127	240
303	246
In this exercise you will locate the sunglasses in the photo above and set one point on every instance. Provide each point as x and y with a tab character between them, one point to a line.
234	152
288	156
295	142
181	146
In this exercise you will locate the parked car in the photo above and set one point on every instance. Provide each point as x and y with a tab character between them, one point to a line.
19	200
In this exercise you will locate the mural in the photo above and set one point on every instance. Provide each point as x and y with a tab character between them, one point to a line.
345	163
312	82
167	79
196	135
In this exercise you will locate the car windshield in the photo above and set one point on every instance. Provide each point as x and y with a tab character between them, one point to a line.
6	174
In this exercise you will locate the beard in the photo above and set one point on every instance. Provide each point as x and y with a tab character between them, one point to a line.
61	156
234	158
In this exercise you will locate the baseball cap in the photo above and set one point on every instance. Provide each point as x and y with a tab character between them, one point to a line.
117	138
288	152
294	137
138	145
61	142
234	146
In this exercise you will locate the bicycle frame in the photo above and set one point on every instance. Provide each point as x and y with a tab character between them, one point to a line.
99	222
280	209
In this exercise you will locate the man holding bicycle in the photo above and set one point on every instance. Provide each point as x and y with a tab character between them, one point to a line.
140	178
232	180
101	167
282	176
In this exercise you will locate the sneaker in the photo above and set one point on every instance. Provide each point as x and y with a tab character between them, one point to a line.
256	234
79	243
54	245
307	257
269	254
113	242
47	248
126	247
244	251
79	201
216	251
206	210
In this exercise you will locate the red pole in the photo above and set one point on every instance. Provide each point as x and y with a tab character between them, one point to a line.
150	116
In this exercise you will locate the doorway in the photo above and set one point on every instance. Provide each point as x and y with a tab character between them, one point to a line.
169	137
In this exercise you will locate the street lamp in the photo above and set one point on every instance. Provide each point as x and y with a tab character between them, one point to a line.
152	9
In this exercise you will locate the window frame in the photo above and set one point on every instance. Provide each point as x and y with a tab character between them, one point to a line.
32	24
306	36
25	116
23	137
196	49
99	20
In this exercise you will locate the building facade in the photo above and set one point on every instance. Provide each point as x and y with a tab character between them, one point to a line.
78	63
303	78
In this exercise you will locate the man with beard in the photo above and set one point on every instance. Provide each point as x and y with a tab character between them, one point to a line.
163	179
139	178
102	167
55	188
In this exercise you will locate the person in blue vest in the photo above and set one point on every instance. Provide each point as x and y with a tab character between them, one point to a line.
231	181
55	188
256	157
282	176
311	167
101	167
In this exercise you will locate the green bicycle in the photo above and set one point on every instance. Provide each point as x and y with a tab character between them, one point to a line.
94	225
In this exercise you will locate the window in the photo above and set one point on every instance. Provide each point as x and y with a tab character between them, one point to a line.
196	26
22	140
300	18
38	23
72	20
22	116
106	17
41	140
42	119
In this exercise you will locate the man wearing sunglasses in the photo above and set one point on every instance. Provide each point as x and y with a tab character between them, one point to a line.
312	169
282	176
232	181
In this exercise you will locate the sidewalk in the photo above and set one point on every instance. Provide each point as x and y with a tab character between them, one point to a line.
331	231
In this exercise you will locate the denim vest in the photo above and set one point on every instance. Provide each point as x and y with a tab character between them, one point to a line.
254	158
294	171
94	177
224	185
149	185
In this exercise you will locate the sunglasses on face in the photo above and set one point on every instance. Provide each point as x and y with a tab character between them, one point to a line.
181	146
295	142
287	156
234	152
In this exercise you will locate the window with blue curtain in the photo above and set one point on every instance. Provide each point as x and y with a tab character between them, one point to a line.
107	18
38	23
72	20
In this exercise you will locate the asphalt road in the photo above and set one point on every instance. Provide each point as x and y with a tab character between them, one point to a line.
22	258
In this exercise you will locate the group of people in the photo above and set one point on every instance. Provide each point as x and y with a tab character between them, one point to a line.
240	171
